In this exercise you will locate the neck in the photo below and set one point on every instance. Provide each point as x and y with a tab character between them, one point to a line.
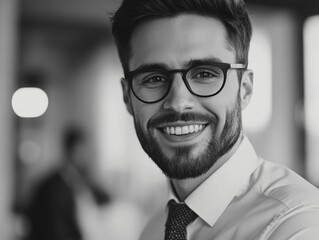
73	177
184	187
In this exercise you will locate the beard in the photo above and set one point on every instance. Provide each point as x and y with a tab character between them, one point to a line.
183	164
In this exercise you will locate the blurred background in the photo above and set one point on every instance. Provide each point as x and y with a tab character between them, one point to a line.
65	48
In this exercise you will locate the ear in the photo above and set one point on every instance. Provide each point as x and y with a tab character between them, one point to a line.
246	88
127	95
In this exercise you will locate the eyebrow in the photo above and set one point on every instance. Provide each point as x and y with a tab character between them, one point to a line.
202	61
152	66
188	64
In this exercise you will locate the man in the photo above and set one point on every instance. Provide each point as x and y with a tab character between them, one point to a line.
186	83
54	213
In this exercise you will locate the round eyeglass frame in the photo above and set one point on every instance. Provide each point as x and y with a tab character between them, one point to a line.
223	66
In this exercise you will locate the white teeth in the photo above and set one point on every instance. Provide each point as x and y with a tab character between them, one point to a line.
178	130
183	130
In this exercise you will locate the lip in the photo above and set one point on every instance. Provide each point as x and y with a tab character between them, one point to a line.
180	124
182	140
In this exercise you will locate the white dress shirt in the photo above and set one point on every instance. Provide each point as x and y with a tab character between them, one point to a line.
248	198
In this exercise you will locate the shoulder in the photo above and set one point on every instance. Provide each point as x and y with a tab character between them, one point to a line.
300	224
52	189
155	228
296	202
279	183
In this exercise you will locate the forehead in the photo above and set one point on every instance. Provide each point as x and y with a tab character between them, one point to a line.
174	41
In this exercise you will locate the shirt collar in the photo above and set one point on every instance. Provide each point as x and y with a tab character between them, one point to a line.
210	199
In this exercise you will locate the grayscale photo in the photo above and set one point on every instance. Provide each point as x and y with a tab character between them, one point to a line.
159	120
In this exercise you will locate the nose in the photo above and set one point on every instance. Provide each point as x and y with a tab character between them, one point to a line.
179	99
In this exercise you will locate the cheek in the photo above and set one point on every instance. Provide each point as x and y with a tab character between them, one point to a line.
216	108
220	106
143	112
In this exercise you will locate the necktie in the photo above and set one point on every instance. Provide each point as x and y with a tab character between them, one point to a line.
179	216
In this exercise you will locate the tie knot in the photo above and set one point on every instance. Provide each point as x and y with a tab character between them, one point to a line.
180	215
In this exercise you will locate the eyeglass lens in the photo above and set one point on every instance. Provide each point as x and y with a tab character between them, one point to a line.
202	80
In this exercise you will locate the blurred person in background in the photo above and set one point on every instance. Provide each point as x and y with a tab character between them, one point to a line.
55	212
186	83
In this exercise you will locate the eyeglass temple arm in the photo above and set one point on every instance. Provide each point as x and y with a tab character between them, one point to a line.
238	65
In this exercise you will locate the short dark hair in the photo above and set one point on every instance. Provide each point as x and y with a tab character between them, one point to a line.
232	13
71	137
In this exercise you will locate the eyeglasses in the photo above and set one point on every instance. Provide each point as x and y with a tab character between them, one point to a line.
153	85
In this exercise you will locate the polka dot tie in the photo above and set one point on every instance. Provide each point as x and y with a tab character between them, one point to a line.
179	216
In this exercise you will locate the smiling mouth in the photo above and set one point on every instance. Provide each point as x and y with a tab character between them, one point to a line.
183	129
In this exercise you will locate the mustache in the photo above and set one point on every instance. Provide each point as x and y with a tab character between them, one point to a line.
170	117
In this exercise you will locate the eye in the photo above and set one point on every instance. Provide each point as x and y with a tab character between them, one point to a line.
154	80
205	74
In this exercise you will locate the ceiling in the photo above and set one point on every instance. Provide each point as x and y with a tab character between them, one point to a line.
305	7
82	11
97	11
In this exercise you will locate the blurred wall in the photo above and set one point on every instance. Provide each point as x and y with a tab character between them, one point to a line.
282	140
8	37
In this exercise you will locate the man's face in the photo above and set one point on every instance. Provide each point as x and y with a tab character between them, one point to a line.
185	134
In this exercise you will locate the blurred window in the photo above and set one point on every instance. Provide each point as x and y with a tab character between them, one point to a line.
258	113
311	57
